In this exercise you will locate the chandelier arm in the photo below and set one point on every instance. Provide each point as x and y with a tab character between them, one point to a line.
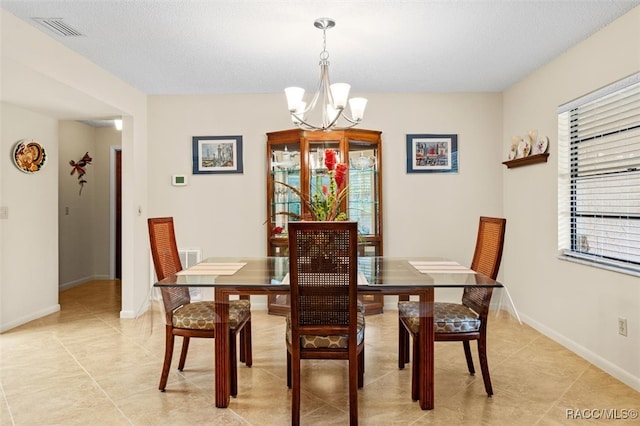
351	120
316	95
338	115
305	125
325	88
308	126
344	127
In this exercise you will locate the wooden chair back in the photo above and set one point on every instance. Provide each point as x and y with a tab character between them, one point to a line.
323	267
166	261
486	260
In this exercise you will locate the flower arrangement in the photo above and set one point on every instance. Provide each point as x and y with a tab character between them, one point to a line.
324	204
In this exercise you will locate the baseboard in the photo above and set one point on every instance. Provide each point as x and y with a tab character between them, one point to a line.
80	281
32	316
595	359
127	315
102	277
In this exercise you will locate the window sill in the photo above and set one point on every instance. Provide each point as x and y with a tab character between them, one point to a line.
600	265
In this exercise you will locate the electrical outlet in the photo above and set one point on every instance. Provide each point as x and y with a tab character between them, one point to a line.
622	326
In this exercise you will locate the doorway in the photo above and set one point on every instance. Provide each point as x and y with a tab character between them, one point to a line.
116	212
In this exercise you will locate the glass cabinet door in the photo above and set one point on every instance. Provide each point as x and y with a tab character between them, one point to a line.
364	190
284	203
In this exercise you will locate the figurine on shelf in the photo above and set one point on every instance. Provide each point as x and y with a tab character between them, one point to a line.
363	162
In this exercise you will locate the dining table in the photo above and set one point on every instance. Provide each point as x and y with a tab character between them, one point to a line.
377	275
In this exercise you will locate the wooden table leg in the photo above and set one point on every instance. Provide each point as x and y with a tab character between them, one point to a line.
427	363
221	349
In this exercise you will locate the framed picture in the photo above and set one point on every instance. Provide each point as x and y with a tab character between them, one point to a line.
217	154
432	153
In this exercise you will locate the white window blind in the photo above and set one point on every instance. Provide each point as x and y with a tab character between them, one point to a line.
599	177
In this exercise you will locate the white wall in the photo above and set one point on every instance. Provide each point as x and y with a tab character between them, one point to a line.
423	213
576	305
30	234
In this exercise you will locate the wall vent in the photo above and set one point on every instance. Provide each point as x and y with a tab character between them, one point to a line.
58	27
188	258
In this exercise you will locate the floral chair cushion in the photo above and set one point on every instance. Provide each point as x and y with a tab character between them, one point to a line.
316	341
447	317
200	315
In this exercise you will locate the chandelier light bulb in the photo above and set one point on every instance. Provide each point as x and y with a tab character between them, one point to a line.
294	97
340	94
357	106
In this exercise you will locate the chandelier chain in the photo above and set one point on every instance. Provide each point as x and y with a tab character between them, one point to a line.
324	55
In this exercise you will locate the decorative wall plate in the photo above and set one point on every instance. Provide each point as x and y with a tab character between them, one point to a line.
524	149
541	145
29	156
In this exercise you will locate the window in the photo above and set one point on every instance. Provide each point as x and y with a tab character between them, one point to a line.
599	177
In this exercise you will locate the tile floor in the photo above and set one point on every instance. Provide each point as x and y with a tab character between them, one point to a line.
84	366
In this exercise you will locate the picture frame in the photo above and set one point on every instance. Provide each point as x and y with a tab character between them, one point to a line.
217	154
432	153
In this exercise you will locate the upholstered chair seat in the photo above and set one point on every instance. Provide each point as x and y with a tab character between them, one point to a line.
308	341
447	317
200	315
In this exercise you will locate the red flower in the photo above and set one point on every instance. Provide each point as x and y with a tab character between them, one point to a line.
277	230
341	175
330	159
325	189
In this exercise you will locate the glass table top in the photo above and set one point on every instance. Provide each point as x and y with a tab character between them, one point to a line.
374	272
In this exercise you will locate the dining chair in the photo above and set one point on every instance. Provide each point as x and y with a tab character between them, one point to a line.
193	319
463	321
324	321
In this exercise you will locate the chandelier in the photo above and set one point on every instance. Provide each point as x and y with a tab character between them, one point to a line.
333	97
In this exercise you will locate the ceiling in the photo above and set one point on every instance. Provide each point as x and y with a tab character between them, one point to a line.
256	46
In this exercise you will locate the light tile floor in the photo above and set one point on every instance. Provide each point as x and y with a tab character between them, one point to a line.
85	365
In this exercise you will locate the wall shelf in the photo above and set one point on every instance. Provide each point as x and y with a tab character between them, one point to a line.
525	161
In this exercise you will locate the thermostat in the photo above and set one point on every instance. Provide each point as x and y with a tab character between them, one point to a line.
179	180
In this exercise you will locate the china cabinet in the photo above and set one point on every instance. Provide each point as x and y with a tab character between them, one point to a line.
296	157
